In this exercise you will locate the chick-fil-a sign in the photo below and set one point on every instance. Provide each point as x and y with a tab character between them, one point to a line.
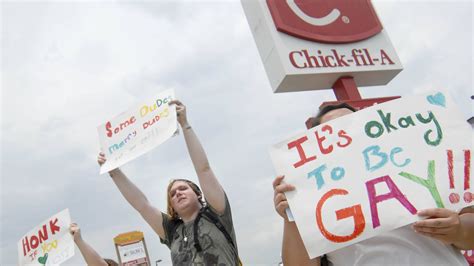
48	243
138	130
370	172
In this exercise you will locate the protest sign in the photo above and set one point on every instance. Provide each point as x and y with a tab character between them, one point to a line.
371	171
48	243
137	131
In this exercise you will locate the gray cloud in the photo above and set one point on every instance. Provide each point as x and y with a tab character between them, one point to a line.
69	66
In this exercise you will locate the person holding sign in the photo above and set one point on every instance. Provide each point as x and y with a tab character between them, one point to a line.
433	241
90	255
196	231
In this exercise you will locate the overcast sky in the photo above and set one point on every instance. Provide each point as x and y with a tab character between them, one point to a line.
69	66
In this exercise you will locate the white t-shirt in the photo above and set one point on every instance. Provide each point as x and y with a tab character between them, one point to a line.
401	246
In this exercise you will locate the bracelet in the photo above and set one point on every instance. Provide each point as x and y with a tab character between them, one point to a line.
188	127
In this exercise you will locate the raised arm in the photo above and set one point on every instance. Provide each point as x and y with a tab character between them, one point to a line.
136	198
212	189
90	255
293	251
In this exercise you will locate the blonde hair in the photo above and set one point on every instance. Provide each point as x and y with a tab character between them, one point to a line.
171	212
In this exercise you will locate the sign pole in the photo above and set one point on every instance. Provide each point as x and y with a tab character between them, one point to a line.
345	88
346	91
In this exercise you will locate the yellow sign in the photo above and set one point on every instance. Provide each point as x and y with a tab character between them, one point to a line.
128	238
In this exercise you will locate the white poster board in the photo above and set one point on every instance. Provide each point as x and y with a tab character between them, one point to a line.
138	130
370	172
49	243
131	253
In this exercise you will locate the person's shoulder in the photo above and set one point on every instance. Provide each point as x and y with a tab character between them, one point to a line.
169	221
210	208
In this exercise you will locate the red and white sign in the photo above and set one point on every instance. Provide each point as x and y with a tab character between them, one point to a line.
309	44
49	243
331	21
132	254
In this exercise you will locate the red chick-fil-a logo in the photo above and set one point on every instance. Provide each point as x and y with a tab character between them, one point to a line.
328	21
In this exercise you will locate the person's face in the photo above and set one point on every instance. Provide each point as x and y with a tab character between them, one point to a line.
333	114
182	196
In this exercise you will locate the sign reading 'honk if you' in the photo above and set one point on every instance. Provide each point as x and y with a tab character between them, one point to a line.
49	243
371	171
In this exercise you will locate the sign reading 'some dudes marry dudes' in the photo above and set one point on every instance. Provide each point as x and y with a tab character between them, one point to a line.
138	130
370	172
309	44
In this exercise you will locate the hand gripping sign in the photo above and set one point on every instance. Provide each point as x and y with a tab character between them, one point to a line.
329	21
48	243
370	172
138	130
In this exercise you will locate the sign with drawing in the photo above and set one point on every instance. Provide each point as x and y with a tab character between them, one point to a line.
138	130
371	171
49	243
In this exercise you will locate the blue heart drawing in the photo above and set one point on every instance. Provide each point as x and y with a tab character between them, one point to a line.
437	99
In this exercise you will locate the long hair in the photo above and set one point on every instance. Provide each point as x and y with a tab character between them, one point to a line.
193	186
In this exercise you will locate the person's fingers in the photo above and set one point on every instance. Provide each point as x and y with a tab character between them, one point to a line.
434	230
101	159
277	180
436	213
281	188
180	109
435	222
281	207
177	102
279	198
72	228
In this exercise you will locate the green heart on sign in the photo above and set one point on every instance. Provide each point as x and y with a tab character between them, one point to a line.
43	259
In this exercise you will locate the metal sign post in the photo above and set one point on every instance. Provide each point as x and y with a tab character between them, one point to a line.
346	91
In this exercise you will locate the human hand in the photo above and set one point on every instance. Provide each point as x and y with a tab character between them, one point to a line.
441	224
101	158
75	231
279	198
181	112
